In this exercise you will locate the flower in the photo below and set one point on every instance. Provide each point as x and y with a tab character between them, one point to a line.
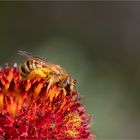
28	110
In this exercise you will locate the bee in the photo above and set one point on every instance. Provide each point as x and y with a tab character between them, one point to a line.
53	73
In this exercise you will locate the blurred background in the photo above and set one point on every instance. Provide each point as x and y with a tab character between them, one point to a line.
97	42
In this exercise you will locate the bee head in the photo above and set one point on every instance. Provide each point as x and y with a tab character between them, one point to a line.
70	83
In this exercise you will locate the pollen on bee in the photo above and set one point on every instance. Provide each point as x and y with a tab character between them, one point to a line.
39	73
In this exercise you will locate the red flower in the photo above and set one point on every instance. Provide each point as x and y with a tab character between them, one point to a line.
29	111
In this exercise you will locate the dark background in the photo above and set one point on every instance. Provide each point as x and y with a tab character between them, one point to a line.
97	42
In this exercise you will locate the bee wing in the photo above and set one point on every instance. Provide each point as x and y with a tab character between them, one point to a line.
28	55
25	54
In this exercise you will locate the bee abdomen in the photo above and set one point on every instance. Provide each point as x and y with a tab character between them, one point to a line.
27	66
23	71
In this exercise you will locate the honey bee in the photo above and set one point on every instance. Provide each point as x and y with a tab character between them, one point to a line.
53	73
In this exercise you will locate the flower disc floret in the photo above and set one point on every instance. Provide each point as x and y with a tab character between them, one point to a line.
29	110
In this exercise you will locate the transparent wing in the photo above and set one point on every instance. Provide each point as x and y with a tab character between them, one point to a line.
25	54
28	55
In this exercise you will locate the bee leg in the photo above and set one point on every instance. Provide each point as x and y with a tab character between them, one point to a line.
49	85
53	79
64	91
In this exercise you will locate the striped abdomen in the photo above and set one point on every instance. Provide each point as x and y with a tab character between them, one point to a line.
30	65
